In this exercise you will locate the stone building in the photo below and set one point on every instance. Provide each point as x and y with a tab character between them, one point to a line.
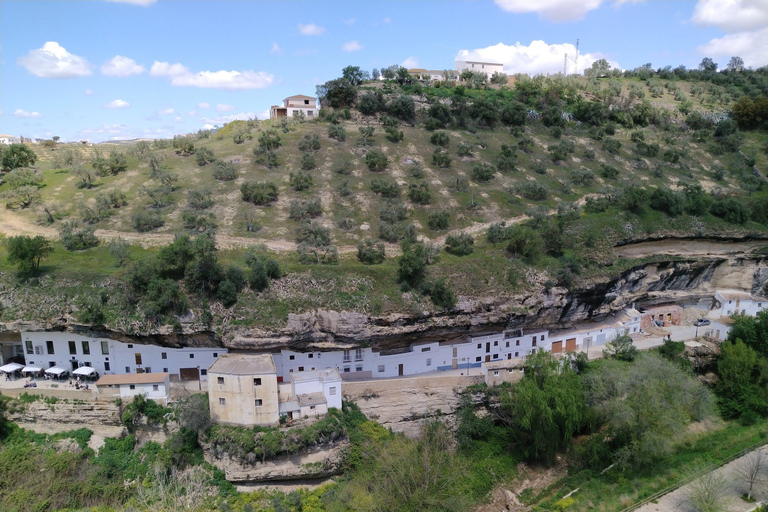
242	390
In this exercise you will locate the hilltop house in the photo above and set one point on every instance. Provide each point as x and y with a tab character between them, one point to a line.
489	68
734	302
294	105
9	139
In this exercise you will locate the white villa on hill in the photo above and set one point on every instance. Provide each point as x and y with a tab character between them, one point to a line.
294	106
489	68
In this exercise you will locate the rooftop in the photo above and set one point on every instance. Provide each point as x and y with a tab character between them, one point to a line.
505	364
325	374
481	62
301	96
243	364
132	378
734	295
311	399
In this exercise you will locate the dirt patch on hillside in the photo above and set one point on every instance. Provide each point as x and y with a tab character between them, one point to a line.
687	248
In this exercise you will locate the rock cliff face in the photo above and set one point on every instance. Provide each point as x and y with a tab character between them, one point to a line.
681	281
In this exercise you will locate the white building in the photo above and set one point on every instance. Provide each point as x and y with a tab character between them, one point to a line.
108	357
154	386
719	329
294	106
489	68
310	393
734	302
506	370
9	139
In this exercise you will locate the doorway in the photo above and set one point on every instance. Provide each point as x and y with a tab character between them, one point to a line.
400	370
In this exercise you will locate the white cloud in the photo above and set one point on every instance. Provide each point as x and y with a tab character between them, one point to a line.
264	114
276	49
177	119
192	113
551	10
143	3
208	126
89	92
350	21
536	58
167	69
223	107
410	62
203	105
181	76
242	116
731	15
121	67
750	46
311	29
53	61
117	104
351	46
166	111
23	113
387	20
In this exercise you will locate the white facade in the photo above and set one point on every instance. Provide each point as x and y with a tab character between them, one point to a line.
326	381
737	302
719	329
489	68
9	139
154	386
108	357
294	106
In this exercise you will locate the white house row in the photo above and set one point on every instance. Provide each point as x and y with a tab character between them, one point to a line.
71	351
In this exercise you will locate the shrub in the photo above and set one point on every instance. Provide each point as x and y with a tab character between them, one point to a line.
376	160
441	158
308	162
393	135
309	142
731	210
300	181
596	204
370	252
612	146
204	155
403	107
460	244
525	242
260	192
199	199
370	103
224	171
508	158
609	172
385	188
74	239
483	172
582	177
534	191
393	211
227	293
665	200
366	132
439	219
525	144
305	209
336	131
419	193
441	295
464	149
498	232
440	139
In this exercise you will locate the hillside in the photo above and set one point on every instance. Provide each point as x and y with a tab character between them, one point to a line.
585	165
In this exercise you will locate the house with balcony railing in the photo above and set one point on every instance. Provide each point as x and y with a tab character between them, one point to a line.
295	106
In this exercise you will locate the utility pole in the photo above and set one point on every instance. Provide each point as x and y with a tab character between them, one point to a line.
576	62
565	65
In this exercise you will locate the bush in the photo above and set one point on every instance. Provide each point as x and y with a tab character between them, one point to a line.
336	131
508	158
385	188
370	253
300	181
204	155
464	149
393	135
74	239
441	295
260	192
665	200
582	177
370	103
612	146
525	144
609	172
525	242
304	209
376	160
439	219
309	142
419	193
393	211
731	210
227	293
460	244
483	172
308	162
403	107
199	199
441	158
534	191
440	139
224	171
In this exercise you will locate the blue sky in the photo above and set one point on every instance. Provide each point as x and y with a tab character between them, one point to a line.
103	70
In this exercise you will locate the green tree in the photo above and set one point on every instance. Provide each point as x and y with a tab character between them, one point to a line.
412	265
376	160
354	75
743	379
17	155
752	330
545	409
370	252
621	349
26	252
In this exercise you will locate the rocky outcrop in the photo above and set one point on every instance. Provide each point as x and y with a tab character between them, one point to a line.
68	415
312	463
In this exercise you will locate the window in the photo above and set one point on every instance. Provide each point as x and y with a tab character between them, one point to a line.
358	354
220	380
132	386
30	350
495	356
311	356
87	363
429	362
86	348
478	359
359	368
517	343
346	369
381	368
495	373
191	356
164	355
258	402
301	368
306	102
332	390
455	352
313	368
507	345
346	356
295	112
155	387
495	343
257	381
202	372
104	348
291	357
310	113
222	401
517	354
72	347
533	343
130	346
51	364
215	354
165	370
479	345
542	336
106	367
311	407
49	346
137	357
127	369
427	349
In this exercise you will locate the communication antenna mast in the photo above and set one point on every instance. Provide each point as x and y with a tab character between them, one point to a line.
565	65
576	62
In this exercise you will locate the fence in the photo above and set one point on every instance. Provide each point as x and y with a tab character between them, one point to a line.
693	477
